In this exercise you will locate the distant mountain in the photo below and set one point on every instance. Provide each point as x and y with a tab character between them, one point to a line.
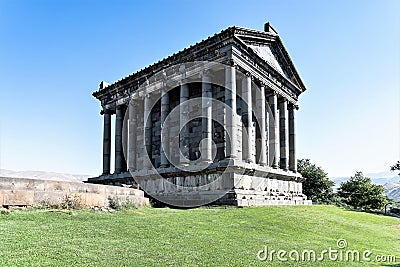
393	191
380	178
390	181
44	175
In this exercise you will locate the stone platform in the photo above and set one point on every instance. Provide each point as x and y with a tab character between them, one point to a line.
30	192
223	183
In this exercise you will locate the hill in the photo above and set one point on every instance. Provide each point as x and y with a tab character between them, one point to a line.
197	237
393	191
43	175
379	178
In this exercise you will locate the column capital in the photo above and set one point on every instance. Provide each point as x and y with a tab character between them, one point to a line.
135	95
282	100
147	95
272	93
293	106
205	74
133	102
121	107
105	111
180	83
165	90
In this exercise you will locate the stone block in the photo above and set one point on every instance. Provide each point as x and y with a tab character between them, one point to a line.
18	197
48	197
91	199
56	186
1	198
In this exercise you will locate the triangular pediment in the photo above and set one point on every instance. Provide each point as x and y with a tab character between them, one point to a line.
268	46
267	53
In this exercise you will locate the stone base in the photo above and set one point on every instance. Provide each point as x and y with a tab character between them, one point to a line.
238	185
244	198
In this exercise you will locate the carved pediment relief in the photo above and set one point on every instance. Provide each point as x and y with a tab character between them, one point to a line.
266	52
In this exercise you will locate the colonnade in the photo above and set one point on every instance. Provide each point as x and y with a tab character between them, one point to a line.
274	146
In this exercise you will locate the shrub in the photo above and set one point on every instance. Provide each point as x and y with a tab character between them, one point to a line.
118	203
71	202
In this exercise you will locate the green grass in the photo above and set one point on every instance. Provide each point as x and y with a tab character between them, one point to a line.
197	237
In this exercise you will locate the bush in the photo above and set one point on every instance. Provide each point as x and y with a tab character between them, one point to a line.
73	202
118	203
336	200
68	202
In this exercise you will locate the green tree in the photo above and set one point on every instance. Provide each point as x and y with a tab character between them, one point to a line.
360	193
317	185
395	167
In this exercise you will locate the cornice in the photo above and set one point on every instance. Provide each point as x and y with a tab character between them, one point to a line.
213	48
196	52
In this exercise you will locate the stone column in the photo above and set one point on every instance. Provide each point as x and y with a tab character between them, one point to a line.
283	134
183	120
247	118
106	142
274	130
206	149
164	128
230	100
120	164
263	129
125	128
147	132
292	139
132	135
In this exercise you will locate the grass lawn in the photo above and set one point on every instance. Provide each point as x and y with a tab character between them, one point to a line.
196	237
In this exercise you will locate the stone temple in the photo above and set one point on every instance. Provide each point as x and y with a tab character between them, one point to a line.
211	124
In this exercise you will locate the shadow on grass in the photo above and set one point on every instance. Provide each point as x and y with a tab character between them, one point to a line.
380	213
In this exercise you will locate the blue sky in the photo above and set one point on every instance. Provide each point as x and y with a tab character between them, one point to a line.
53	54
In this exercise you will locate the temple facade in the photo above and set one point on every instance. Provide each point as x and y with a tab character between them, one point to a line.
212	124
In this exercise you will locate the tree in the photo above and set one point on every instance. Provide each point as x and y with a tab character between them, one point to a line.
317	185
395	167
360	193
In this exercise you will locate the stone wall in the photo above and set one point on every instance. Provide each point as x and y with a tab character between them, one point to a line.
29	192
